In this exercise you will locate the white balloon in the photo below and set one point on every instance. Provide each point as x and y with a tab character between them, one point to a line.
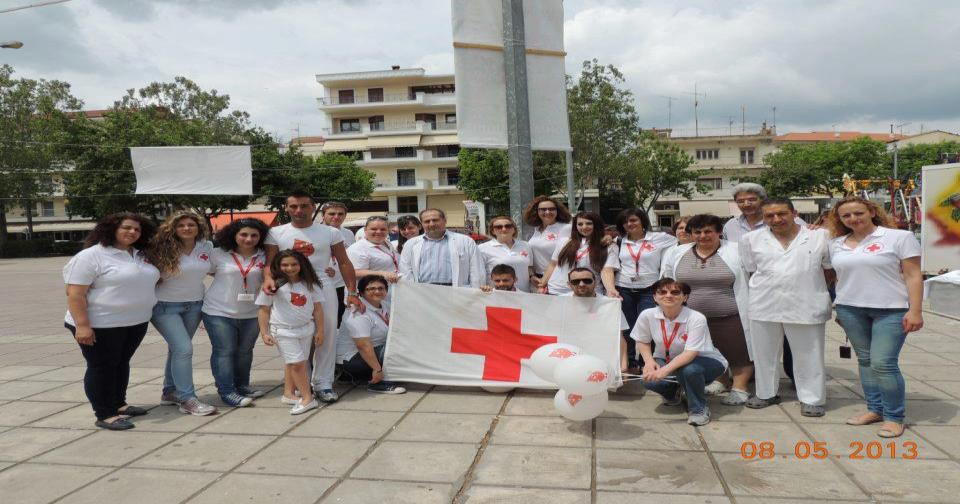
579	407
582	374
544	360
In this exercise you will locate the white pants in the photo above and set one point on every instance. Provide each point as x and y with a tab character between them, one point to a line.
806	344
325	355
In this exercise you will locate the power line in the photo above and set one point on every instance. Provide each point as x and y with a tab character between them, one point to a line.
41	4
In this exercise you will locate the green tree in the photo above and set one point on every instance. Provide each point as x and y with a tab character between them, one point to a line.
604	126
484	176
818	168
912	158
35	123
655	167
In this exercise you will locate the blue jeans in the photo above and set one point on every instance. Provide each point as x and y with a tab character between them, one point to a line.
233	341
694	378
177	322
877	336
634	301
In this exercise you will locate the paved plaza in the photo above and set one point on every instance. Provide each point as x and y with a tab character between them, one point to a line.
440	444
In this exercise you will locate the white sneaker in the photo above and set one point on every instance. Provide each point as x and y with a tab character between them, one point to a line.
286	400
301	408
715	388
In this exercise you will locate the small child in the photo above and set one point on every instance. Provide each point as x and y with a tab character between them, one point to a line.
296	317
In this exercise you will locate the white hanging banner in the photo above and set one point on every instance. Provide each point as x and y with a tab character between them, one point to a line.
193	170
481	83
462	336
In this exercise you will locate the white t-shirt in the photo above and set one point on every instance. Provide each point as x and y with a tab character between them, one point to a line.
558	279
869	275
624	325
738	226
314	242
372	323
691	333
367	255
221	297
187	285
337	278
292	304
648	254
122	286
519	257
787	285
542	244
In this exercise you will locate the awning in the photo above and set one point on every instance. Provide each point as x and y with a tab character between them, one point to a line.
221	221
385	142
355	144
40	227
429	140
720	208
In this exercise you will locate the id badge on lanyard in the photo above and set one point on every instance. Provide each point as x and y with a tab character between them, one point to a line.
245	296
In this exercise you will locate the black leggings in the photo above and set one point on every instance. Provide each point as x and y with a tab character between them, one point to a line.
341	308
108	366
356	370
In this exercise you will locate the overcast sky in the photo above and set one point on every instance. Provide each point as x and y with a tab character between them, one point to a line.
855	65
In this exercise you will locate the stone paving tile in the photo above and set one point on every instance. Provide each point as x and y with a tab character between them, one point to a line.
307	457
142	485
656	471
169	419
729	436
647	407
838	439
945	438
542	431
908	480
933	412
477	494
63	374
40	484
527	403
646	434
537	466
75	416
23	412
720	412
837	411
257	488
785	477
23	442
354	491
17	372
442	427
252	420
441	401
943	373
780	500
360	399
105	448
402	461
13	390
651	498
347	424
950	387
204	452
61	392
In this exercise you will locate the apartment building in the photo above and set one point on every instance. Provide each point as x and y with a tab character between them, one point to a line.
401	124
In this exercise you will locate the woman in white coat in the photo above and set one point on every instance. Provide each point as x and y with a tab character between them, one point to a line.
718	282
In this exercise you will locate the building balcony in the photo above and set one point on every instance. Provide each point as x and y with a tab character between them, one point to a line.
373	158
382	187
446	184
391	101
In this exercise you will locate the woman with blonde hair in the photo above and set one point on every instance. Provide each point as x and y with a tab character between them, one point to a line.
879	292
507	249
181	252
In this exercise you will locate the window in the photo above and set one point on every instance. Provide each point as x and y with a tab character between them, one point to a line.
407	204
46	209
370	206
345	96
450	119
447	151
350	125
404	152
449	176
406	178
712	183
746	156
375	95
703	154
665	221
376	123
430	119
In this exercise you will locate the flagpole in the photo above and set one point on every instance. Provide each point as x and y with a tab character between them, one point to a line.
519	153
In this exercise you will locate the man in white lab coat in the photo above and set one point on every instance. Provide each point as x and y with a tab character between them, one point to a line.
788	295
441	257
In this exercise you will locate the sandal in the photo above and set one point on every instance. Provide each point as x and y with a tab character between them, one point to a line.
865	419
891	430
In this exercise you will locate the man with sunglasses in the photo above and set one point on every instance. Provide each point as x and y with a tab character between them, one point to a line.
583	284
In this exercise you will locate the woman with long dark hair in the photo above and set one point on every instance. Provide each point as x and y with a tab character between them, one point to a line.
110	297
584	248
550	220
409	227
181	252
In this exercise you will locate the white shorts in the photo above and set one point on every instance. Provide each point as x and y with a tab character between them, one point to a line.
294	342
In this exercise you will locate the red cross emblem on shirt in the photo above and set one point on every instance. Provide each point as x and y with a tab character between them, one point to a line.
304	247
298	299
524	254
647	246
551	236
502	344
873	248
203	257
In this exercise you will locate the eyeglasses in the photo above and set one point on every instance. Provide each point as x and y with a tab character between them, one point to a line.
502	226
547	209
673	292
376	218
747	200
374	289
584	281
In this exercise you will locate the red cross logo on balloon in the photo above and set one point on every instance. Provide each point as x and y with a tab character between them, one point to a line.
873	248
502	344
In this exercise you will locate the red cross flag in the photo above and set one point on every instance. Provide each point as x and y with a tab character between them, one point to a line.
460	336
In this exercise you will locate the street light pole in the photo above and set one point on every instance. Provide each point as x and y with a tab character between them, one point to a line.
519	152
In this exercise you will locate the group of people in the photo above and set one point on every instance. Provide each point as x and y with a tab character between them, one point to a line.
706	308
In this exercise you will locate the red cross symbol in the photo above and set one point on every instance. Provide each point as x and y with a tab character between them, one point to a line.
203	257
502	344
304	247
647	246
551	236
873	248
524	254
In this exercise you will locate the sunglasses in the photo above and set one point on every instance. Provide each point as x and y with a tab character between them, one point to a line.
502	226
673	292
584	281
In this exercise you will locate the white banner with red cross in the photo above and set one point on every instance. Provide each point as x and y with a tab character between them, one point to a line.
460	336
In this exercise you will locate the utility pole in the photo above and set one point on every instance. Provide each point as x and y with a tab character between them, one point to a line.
696	108
670	101
743	119
730	125
774	119
519	153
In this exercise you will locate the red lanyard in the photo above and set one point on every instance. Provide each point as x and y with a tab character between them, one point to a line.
244	272
668	341
385	319
393	257
581	255
636	258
